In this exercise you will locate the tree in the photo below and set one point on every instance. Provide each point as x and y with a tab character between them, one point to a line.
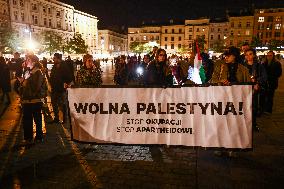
218	46
77	45
136	47
256	42
273	44
9	40
52	42
183	50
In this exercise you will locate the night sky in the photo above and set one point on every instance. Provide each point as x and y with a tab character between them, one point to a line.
117	13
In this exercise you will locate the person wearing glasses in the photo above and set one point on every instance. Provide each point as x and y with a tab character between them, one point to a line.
274	71
158	72
89	74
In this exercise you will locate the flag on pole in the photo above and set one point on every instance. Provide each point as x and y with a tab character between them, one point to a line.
197	73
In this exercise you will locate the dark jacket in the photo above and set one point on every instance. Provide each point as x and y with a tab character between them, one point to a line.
31	87
5	81
274	71
158	73
58	76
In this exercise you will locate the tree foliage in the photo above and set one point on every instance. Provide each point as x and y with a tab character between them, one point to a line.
138	48
77	45
51	42
256	42
9	40
218	46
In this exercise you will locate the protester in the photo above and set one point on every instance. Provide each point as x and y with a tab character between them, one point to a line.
259	78
158	71
5	81
121	72
274	71
31	94
60	78
89	74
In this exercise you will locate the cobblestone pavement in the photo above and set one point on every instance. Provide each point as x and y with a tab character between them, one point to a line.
59	162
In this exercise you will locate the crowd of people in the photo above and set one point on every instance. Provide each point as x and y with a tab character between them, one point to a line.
156	69
34	82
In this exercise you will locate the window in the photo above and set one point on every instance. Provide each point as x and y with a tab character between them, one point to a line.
239	33
278	19
247	32
180	30
232	33
21	3
166	30
14	2
172	38
57	13
179	46
58	24
190	37
22	16
35	20
270	19
166	38
277	26
172	46
166	46
197	29
231	42
131	39
179	38
157	38
16	15
219	37
44	9
211	37
248	24
260	19
49	11
219	29
190	30
212	29
277	34
44	21
189	45
232	24
173	30
240	25
49	23
34	6
144	37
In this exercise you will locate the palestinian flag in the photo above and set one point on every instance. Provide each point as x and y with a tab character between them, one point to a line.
197	73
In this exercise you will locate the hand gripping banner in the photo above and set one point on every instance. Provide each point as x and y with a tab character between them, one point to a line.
214	116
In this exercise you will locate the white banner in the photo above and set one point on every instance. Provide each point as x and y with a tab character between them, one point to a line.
215	116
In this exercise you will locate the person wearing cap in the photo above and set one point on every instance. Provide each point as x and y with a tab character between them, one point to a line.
230	71
60	78
31	99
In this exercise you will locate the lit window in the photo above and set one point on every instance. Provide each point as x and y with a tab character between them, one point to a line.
166	46
277	26
144	37
172	46
278	19
261	11
247	32
260	19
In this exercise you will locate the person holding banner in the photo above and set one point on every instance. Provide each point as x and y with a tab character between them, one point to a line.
230	71
158	71
89	74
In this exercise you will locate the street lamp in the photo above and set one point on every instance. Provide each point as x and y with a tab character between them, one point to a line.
30	44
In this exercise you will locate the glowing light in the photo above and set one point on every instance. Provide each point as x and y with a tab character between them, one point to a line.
139	71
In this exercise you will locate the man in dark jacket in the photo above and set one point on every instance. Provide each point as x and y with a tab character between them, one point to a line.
274	71
60	77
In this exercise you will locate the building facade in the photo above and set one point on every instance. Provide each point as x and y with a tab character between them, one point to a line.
172	38
112	44
218	35
30	18
241	30
196	29
144	34
4	14
269	25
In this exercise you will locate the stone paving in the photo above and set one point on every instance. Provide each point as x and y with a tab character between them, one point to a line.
59	162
